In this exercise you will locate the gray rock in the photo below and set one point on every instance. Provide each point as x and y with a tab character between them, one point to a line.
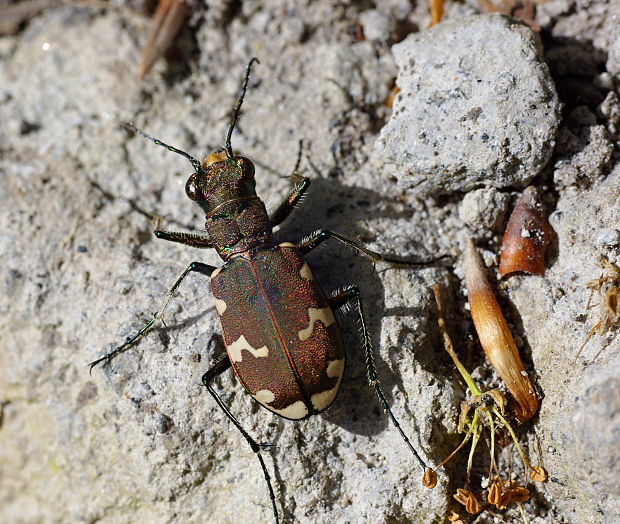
584	148
484	209
377	25
469	113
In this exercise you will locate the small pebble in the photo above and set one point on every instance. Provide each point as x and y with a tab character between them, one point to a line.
163	423
607	237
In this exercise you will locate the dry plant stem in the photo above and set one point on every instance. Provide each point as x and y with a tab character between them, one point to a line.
492	465
526	237
447	343
526	462
476	429
495	336
165	27
459	447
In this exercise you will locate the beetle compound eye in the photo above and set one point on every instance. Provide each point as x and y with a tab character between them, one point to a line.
246	165
191	188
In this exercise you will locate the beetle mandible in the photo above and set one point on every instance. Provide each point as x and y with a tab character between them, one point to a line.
282	338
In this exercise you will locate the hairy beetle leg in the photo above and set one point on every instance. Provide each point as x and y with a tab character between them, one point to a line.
217	369
189	239
320	236
197	267
340	300
286	207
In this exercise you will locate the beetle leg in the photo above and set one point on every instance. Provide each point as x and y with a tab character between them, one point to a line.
217	369
286	207
198	267
341	299
278	215
320	236
189	239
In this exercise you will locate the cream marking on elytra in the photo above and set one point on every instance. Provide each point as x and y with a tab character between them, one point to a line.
335	368
235	349
220	305
323	400
305	271
295	411
323	314
264	396
216	272
287	244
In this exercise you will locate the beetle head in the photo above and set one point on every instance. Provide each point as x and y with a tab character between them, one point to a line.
221	179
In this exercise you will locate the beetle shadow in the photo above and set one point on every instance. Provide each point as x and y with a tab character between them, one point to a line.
343	208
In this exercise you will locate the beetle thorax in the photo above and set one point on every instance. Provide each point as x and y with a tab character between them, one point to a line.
236	218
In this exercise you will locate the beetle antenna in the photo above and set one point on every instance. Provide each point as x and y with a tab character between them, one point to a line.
244	87
195	163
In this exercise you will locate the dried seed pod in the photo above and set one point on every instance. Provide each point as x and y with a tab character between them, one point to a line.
495	337
168	20
495	492
430	478
468	499
526	237
538	474
455	518
516	492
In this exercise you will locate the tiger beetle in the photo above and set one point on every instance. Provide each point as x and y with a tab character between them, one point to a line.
282	338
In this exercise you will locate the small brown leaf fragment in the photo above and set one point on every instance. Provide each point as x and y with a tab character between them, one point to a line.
389	101
166	25
495	337
526	237
499	399
430	478
468	499
538	474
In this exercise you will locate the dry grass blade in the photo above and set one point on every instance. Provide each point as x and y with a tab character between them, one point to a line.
436	8
168	21
14	15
